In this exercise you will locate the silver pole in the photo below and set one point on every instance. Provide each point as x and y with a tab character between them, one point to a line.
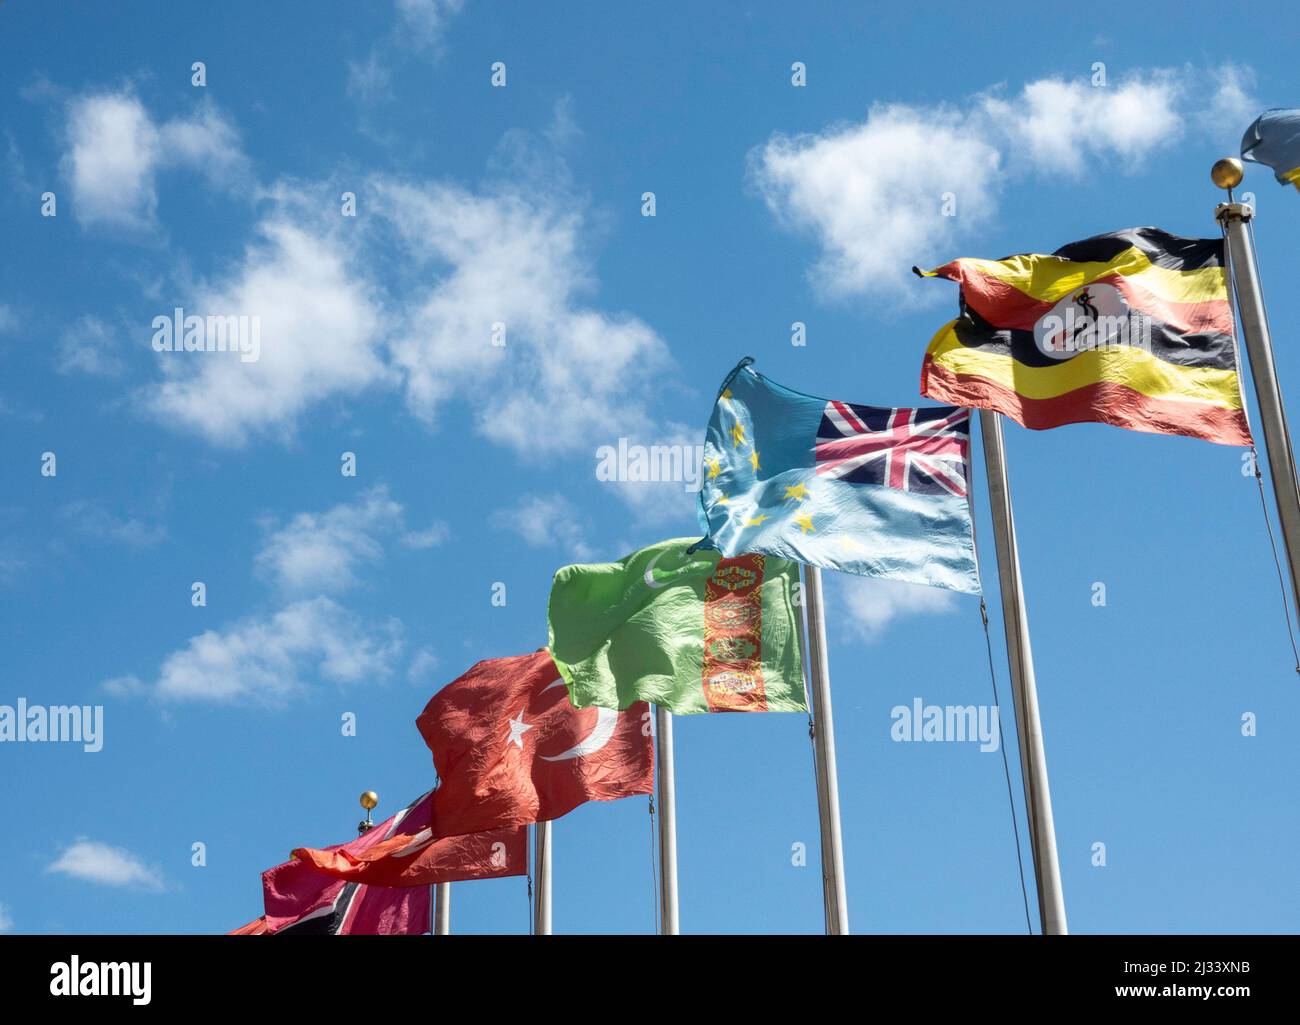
442	909
828	787
1033	761
542	879
1235	218
669	924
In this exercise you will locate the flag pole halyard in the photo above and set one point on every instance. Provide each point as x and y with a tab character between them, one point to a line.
542	878
1235	219
669	925
1033	761
828	792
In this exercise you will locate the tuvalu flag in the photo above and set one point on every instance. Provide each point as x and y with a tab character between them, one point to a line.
1132	328
398	853
692	631
1273	139
876	490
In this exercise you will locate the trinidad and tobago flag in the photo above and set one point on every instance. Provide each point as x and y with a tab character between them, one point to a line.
391	899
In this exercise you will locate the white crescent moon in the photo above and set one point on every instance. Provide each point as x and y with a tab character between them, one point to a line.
419	841
606	720
650	573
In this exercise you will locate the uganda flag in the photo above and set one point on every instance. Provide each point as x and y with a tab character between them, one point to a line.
1132	329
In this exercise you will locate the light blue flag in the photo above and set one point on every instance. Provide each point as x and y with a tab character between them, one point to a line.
876	491
1273	139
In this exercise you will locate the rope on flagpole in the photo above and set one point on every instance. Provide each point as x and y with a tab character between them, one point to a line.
528	861
654	863
1277	562
1006	769
1254	454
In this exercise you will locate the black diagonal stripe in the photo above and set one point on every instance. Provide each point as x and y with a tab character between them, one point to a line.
1172	252
325	921
1209	349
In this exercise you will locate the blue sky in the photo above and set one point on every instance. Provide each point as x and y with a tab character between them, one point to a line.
522	205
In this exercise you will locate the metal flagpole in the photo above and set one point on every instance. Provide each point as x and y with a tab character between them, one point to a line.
669	924
828	788
1236	218
442	909
1033	761
542	879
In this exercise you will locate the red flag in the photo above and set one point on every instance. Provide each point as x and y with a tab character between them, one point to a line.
257	927
302	901
299	900
510	748
403	852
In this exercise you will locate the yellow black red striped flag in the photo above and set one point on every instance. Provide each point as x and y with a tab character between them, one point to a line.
1133	328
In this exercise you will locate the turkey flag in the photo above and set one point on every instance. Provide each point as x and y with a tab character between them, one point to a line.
510	748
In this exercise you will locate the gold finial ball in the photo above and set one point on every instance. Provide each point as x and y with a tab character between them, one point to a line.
1227	173
369	799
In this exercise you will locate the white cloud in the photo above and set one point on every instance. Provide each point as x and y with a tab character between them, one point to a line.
658	503
318	338
13	168
566	372
89	346
424	22
1232	106
420	28
1065	126
409	296
207	142
6	921
8	319
126	686
110	161
114	150
872	193
430	537
91	519
371	78
422	664
545	521
96	862
268	660
321	553
871	604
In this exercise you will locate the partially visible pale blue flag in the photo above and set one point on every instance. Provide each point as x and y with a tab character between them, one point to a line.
876	491
1273	139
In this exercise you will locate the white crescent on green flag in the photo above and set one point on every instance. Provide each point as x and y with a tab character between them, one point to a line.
694	632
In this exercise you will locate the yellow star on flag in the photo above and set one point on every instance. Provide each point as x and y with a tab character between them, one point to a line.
804	520
755	521
737	435
715	467
797	491
753	459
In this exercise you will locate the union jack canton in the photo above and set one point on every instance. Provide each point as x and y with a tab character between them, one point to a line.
922	450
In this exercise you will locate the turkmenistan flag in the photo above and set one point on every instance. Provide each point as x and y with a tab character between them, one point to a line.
1132	329
692	632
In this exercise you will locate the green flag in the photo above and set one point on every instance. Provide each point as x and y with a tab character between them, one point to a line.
694	633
